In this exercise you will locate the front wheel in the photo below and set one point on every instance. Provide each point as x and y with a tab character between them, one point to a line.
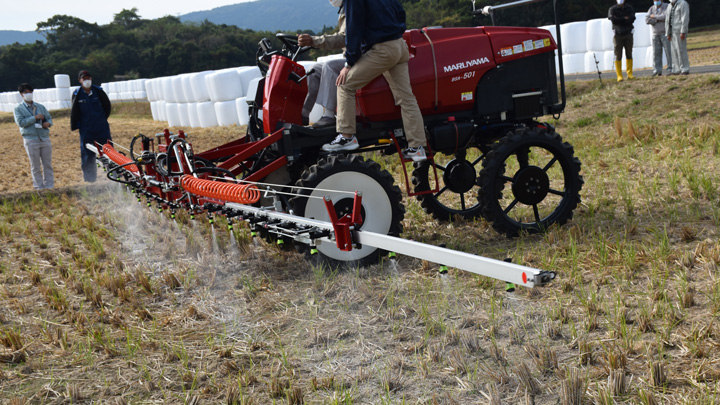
339	177
530	181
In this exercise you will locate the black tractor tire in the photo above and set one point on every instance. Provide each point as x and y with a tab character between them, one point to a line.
458	189
543	177
382	208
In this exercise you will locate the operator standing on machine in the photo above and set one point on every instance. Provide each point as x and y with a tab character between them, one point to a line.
375	46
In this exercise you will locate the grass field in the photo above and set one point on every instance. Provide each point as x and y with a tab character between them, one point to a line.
104	300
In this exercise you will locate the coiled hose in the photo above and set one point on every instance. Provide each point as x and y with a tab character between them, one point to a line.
229	192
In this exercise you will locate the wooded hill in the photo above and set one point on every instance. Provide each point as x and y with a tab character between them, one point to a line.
133	47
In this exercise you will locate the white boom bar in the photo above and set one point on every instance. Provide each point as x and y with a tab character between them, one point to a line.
499	270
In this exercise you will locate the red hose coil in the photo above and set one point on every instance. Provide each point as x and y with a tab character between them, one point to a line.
230	192
120	159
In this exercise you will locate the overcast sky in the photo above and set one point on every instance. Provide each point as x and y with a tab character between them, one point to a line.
24	15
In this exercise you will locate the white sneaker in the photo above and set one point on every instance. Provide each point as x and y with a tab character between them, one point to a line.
340	143
416	154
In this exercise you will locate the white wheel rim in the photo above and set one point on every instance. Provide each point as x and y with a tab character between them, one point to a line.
375	201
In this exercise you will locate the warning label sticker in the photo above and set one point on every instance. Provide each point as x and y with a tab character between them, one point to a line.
547	41
467	96
539	44
506	52
528	45
518	48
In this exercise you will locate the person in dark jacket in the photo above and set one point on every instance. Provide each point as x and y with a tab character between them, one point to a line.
622	17
90	110
374	46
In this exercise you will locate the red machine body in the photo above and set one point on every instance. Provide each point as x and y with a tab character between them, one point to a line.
457	57
284	93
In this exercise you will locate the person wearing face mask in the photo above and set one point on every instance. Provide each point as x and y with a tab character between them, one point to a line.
321	82
676	28
656	18
90	111
622	16
34	122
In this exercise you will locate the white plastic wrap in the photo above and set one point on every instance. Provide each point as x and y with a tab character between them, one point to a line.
574	37
199	86
167	89
193	115
183	114
224	85
607	34
642	36
161	110
206	113
640	57
247	74
226	113
574	63
590	65
187	88
610	60
178	89
172	114
153	110
62	81
242	111
594	35
63	94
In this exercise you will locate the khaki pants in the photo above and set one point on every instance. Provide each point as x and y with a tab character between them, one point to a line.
391	59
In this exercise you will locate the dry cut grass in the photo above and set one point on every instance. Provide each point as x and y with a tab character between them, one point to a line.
105	300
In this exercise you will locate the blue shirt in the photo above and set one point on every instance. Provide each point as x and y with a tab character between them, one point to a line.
370	22
25	119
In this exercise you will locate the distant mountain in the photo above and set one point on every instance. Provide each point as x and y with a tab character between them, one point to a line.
271	15
23	37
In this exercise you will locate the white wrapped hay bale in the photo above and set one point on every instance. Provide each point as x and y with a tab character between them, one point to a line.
63	94
193	115
247	74
574	37
224	85
640	57
172	114
609	59
607	34
226	113
183	114
150	90
62	81
242	110
206	113
642	35
161	110
590	65
168	91
153	110
178	89
253	88
187	88
574	63
594	35
199	88
553	31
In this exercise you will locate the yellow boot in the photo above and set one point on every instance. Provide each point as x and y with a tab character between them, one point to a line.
618	70
628	64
